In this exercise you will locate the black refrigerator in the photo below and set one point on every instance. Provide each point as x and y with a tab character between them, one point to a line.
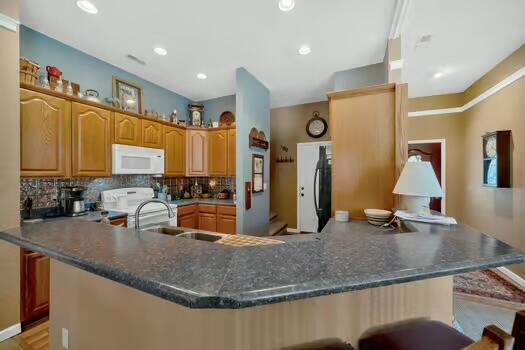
323	188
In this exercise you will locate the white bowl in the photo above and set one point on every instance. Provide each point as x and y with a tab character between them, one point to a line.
378	213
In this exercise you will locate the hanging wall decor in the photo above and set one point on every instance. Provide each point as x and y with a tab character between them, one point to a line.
257	173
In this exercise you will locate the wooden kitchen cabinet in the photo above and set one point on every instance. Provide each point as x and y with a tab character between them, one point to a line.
91	140
45	134
218	153
187	216
34	286
152	134
127	130
207	222
226	219
175	151
232	149
197	153
122	222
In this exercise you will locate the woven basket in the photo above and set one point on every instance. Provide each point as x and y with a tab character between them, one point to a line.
28	71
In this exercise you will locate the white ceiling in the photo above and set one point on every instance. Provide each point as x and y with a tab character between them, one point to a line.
217	36
469	37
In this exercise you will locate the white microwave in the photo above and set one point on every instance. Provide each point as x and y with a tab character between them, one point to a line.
137	160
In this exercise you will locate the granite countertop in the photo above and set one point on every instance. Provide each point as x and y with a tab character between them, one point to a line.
345	257
96	216
211	201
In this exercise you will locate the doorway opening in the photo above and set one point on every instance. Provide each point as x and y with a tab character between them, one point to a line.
433	151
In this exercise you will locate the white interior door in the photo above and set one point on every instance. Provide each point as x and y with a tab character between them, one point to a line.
307	157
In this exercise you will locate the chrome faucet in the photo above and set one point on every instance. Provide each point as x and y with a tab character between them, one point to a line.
171	214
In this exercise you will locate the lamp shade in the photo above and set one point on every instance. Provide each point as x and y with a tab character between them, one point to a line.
418	179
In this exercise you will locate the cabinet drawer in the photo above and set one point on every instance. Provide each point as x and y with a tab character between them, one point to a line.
188	209
207	208
226	210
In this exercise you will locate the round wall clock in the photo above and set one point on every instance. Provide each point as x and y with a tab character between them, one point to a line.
316	126
490	146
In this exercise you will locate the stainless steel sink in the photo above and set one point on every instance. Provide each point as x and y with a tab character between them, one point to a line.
166	230
200	236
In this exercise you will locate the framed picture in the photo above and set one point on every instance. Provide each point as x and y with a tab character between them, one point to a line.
257	173
130	96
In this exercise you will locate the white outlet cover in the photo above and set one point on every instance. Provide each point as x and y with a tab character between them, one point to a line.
65	338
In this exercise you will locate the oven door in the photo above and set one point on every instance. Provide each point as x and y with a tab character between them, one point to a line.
137	160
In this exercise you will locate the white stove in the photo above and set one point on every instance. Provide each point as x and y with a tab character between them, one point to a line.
127	200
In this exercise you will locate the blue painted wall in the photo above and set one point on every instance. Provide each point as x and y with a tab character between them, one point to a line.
252	110
215	106
373	74
92	73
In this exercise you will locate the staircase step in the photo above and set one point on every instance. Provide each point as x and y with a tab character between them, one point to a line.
277	227
273	216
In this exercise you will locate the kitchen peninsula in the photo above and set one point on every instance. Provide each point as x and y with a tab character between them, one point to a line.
151	289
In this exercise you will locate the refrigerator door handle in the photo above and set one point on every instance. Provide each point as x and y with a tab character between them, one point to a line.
315	193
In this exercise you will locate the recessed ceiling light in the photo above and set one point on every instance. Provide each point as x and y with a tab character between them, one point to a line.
286	5
160	51
201	76
438	75
304	50
87	6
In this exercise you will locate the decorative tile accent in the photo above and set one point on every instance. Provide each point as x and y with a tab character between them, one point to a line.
44	191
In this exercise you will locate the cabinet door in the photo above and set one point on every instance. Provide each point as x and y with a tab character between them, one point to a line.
35	286
226	224
45	131
218	153
197	153
232	149
175	151
187	221
208	222
91	141
127	130
152	134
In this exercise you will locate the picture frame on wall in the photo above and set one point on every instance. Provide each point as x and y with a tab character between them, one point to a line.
130	95
257	173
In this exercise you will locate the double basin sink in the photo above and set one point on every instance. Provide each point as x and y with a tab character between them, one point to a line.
172	231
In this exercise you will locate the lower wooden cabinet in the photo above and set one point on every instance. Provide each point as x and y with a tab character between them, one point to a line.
123	222
226	219
34	286
187	216
208	222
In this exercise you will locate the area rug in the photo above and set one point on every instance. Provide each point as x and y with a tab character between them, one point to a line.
488	284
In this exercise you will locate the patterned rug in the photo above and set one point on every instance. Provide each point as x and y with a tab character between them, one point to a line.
488	284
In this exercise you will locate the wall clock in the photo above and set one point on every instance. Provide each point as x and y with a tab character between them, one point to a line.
496	159
196	114
316	126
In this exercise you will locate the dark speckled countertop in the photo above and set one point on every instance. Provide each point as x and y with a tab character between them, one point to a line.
345	257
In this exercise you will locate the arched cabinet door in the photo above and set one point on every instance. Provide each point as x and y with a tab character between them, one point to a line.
218	153
44	134
152	134
175	151
91	140
197	155
127	130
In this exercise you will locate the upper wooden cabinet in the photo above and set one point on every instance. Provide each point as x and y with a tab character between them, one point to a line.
218	153
175	151
45	133
232	149
91	140
197	153
127	130
152	134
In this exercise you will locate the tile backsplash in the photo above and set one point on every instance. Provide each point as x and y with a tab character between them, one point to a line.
44	191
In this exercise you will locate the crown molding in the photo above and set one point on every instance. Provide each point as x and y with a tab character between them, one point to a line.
398	19
496	88
9	23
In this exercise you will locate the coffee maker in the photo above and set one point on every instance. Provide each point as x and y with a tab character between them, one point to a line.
71	201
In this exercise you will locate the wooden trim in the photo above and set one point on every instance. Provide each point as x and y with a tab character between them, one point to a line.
401	115
369	90
9	332
112	109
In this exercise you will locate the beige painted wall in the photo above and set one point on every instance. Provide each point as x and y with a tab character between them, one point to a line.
9	173
499	212
288	127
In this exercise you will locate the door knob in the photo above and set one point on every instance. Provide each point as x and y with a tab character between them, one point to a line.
302	194
302	188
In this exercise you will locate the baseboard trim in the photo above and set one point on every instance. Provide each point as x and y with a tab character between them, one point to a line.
512	276
10	332
293	230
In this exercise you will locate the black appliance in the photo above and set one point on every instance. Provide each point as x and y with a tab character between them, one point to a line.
323	195
71	201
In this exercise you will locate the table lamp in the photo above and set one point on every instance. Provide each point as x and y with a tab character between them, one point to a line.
417	184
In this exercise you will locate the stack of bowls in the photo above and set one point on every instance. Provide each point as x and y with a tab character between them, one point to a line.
378	217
